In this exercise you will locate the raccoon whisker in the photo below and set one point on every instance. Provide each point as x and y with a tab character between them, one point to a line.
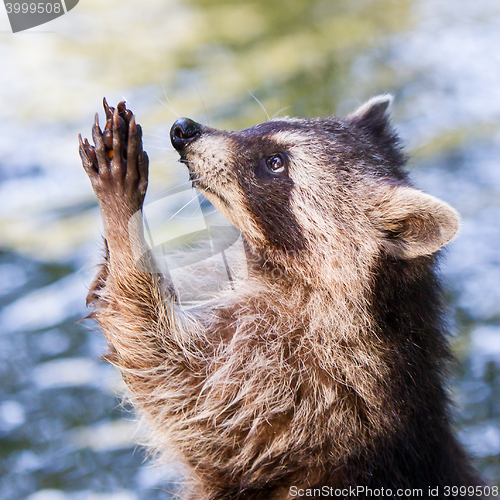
164	104
279	111
194	177
180	210
168	100
159	162
169	191
209	212
208	189
161	147
162	137
203	102
260	104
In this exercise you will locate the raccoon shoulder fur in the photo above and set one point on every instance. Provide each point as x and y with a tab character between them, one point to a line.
325	368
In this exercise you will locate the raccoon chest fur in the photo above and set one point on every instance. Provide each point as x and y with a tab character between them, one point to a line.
326	366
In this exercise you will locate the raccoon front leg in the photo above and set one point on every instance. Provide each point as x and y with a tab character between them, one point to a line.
137	313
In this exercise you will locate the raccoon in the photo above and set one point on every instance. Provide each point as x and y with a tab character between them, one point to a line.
325	368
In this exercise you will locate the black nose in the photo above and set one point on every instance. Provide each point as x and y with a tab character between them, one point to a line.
183	132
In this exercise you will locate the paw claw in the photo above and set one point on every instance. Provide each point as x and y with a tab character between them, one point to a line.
121	107
88	156
96	121
107	109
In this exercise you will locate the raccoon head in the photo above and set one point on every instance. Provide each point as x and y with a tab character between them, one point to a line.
325	191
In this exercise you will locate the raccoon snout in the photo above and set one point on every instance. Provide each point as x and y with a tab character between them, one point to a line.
183	132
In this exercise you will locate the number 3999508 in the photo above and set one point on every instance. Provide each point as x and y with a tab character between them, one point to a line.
34	8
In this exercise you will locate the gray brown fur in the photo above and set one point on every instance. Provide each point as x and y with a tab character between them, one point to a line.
326	366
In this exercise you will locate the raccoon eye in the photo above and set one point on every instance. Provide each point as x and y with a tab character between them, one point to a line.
275	164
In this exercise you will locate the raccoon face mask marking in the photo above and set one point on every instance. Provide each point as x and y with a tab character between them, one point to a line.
299	185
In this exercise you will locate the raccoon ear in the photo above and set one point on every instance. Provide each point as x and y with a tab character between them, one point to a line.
415	223
372	116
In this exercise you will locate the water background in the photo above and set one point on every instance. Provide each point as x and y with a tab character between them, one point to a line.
64	433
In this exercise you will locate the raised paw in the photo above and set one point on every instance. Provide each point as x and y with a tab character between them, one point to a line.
116	164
